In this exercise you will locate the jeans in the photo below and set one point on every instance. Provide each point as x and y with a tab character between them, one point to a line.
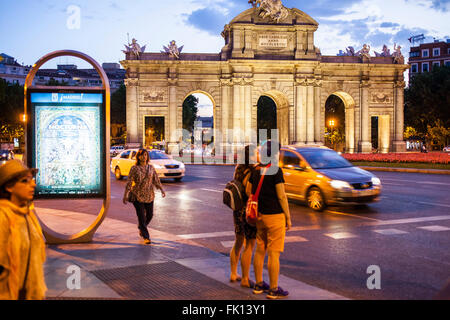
144	212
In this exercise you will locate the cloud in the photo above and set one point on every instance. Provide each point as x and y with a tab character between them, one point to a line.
441	5
389	25
209	20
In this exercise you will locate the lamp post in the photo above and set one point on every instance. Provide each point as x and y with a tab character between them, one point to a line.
332	124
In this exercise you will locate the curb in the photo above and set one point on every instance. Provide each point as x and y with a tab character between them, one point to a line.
388	169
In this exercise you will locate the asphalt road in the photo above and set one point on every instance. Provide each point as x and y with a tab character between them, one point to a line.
406	234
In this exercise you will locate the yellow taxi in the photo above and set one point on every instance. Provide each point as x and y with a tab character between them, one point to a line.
320	177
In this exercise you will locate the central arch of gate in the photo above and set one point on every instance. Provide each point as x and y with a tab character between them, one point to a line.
276	58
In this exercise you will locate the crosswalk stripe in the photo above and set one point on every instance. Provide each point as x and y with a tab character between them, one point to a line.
389	232
434	228
341	235
294	239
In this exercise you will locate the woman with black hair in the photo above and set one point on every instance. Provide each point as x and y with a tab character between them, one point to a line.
139	190
245	233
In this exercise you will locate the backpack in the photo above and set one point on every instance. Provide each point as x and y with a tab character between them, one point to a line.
234	195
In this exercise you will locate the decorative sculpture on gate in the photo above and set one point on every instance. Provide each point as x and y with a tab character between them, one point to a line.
364	52
398	56
173	50
134	48
349	51
273	9
384	53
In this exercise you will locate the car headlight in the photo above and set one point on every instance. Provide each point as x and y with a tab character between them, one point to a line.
338	184
376	181
157	166
181	165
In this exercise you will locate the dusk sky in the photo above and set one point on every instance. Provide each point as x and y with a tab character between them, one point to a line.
33	28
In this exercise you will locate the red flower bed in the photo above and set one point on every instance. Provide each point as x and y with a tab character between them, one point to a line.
432	157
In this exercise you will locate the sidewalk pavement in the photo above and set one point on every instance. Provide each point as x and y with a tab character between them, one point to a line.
118	265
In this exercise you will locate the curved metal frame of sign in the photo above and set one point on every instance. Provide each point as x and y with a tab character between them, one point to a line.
86	235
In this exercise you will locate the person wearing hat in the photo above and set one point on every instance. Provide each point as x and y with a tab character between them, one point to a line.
22	244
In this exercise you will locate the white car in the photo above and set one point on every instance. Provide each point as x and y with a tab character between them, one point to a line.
165	166
115	150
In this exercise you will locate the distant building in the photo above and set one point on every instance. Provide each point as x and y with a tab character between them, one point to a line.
13	72
428	55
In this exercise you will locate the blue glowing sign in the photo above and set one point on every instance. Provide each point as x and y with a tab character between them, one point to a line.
68	144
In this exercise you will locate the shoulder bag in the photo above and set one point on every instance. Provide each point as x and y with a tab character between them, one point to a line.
251	211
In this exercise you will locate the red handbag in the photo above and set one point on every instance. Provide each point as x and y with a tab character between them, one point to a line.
251	211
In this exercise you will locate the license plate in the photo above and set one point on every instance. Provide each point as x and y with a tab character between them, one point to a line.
363	193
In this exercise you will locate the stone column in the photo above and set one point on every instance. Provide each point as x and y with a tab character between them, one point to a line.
172	112
310	114
226	106
300	112
236	111
248	113
318	135
399	144
365	146
384	131
132	112
350	129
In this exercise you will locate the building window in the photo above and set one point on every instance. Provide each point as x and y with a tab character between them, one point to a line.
425	67
448	50
436	64
436	52
414	54
447	63
425	53
414	67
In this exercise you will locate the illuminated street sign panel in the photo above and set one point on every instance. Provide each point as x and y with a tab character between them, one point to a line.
66	131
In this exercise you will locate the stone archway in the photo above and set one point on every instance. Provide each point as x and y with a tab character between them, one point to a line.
277	59
214	112
282	105
349	104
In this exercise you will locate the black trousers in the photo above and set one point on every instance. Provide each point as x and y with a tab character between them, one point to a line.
144	212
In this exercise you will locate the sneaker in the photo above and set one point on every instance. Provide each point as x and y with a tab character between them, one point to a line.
147	241
277	293
261	287
251	284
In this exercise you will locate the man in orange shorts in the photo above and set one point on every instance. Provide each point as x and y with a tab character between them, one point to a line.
272	225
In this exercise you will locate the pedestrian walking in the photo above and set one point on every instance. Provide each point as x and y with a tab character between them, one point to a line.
274	219
22	245
142	180
245	234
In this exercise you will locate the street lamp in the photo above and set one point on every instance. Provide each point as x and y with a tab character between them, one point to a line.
332	124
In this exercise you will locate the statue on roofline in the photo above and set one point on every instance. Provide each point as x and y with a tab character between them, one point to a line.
384	53
134	48
173	50
398	56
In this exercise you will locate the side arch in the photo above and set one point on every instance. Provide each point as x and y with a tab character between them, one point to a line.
350	130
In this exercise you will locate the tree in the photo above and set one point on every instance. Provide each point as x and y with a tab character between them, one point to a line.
409	132
119	105
428	99
189	112
11	102
438	134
